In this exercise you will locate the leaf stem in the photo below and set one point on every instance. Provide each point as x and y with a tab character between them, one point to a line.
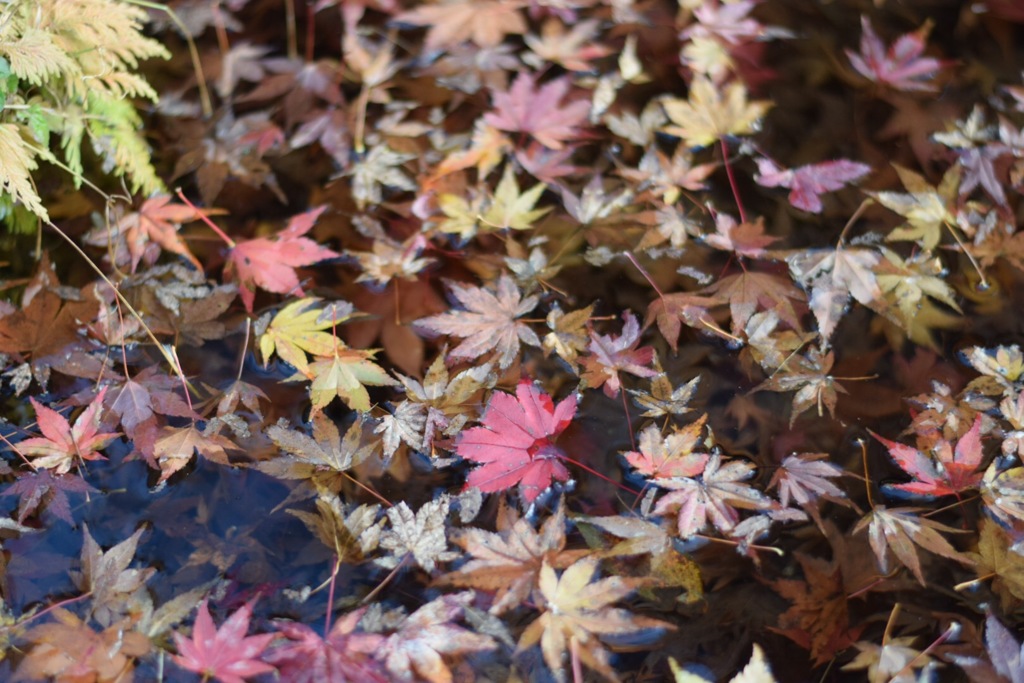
202	216
867	477
732	181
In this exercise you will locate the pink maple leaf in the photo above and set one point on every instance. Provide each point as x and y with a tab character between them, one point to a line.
61	444
271	263
949	472
525	108
226	653
611	355
343	656
807	183
901	66
515	443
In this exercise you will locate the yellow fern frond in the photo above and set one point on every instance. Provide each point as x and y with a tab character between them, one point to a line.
16	164
36	58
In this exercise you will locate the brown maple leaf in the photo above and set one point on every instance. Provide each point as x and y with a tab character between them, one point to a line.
751	291
489	322
68	649
509	561
818	619
485	22
116	590
175	446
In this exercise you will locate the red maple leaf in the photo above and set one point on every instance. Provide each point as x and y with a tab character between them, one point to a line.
949	472
807	183
271	263
901	66
515	443
226	653
61	444
526	108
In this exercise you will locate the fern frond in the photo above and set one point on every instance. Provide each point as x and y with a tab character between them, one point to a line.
36	58
115	137
17	161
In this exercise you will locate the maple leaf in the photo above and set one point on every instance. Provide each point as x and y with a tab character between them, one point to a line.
668	568
750	291
819	617
662	400
158	220
115	588
427	635
343	656
527	108
712	497
926	207
350	536
946	471
756	670
577	615
515	442
568	336
745	239
420	537
441	404
224	653
672	310
511	209
47	323
810	375
713	112
806	477
509	561
42	487
996	559
1005	654
573	49
298	329
1003	493
489	321
807	183
344	375
485	22
833	276
901	66
175	445
899	530
62	445
894	661
665	457
611	355
906	283
69	650
271	263
321	458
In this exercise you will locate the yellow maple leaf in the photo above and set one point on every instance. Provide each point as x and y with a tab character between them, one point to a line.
298	329
712	113
511	208
344	375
